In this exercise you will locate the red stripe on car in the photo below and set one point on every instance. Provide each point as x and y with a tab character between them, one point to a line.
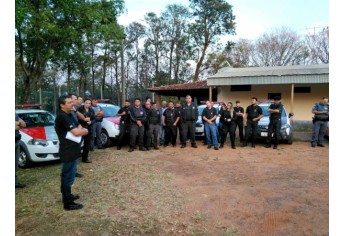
37	132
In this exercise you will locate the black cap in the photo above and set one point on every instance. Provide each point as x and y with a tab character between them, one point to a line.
276	98
237	101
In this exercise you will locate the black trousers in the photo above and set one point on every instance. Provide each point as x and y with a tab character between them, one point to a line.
228	128
135	131
251	131
170	134
239	124
86	148
274	128
124	130
188	127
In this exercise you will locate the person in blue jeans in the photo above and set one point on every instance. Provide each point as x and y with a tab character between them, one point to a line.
209	116
68	129
320	122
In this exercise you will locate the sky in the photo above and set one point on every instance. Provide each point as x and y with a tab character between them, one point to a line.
253	17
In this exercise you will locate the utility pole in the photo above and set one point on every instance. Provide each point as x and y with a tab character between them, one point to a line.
123	72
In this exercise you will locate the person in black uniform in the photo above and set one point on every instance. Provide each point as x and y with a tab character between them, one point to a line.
138	117
86	122
274	126
179	123
251	119
124	123
228	120
147	107
154	119
189	116
209	116
239	119
69	151
19	123
170	119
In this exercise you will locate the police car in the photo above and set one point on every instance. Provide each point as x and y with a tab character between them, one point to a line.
286	131
110	123
199	129
39	141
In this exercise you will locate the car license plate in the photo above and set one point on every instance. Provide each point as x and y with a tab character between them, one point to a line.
263	134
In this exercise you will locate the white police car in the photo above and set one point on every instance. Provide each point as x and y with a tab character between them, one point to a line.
199	129
110	123
39	141
286	126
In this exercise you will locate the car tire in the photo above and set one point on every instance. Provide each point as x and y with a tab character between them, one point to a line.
290	140
24	158
105	138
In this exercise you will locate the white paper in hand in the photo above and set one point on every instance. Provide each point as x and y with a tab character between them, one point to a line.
72	137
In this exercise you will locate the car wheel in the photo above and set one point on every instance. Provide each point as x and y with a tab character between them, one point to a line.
24	159
290	139
105	138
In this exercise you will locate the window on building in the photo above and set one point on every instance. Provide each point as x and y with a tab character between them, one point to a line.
240	88
270	96
302	90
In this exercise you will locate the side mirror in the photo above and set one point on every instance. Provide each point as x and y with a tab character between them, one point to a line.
291	114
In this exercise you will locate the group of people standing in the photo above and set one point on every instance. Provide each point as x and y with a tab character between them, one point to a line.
145	124
150	127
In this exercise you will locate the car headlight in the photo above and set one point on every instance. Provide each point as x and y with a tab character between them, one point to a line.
116	126
35	141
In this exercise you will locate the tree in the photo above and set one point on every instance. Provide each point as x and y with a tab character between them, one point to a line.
175	19
239	54
47	29
318	45
212	19
280	47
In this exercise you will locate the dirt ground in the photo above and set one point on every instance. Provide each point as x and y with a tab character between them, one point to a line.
254	191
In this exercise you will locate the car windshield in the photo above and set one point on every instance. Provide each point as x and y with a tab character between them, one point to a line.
265	110
110	111
37	119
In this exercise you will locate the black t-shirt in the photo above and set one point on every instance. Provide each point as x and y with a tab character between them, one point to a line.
86	114
170	116
209	113
239	109
224	116
68	150
137	113
276	116
253	111
125	118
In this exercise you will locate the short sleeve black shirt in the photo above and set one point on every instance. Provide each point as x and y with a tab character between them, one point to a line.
253	111
68	150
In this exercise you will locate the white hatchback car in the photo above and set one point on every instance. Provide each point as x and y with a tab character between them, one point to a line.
39	141
110	123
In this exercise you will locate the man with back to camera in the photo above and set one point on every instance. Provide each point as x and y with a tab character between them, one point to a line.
138	117
124	123
320	122
250	120
239	120
69	151
189	116
209	115
274	126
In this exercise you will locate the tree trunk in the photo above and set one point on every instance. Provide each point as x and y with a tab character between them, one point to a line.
198	66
